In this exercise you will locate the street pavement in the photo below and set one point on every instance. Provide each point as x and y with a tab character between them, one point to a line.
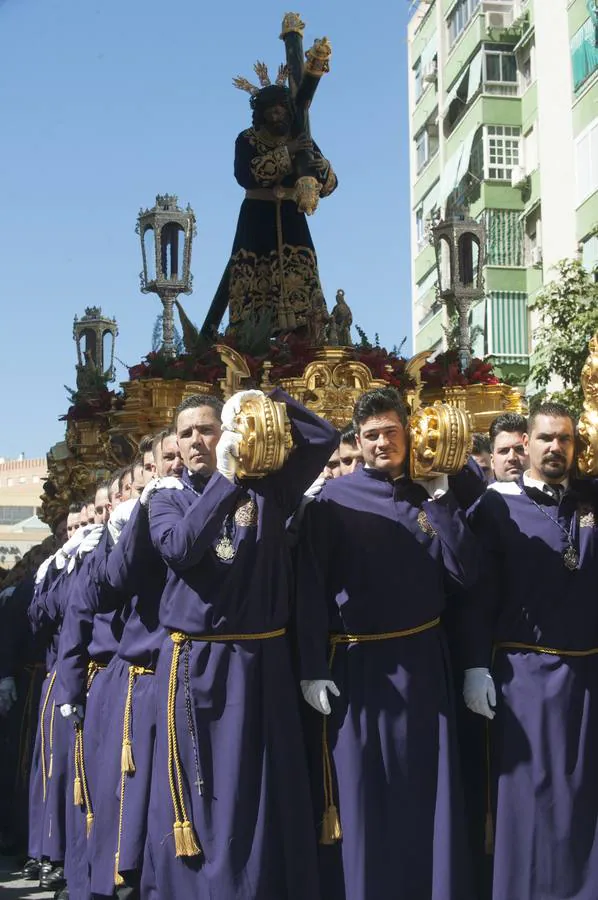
12	887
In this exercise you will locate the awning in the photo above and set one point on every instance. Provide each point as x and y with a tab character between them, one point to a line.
472	74
452	94
457	166
429	52
466	145
475	75
507	333
448	178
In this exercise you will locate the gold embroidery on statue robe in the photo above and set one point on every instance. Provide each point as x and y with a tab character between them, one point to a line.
255	286
425	524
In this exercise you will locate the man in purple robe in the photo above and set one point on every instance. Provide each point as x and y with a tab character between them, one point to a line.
376	557
87	644
133	581
535	627
229	810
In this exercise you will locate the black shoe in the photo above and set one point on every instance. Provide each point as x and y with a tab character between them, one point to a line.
62	895
45	868
32	869
53	880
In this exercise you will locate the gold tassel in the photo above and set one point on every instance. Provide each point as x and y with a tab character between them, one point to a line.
89	820
51	766
77	792
178	839
118	879
331	826
190	844
489	835
127	763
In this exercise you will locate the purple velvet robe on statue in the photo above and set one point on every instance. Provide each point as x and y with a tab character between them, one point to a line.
375	557
544	739
239	734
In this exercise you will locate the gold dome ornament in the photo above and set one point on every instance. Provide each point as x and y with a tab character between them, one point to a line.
440	440
266	439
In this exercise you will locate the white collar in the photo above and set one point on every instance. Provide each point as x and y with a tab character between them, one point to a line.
533	482
512	487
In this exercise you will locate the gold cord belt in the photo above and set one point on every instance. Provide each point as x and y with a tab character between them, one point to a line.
275	195
80	788
331	824
553	651
127	763
185	839
42	730
93	668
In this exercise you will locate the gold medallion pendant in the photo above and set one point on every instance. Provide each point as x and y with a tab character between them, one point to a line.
224	548
571	558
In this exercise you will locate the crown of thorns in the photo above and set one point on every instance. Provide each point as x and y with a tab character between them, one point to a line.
261	70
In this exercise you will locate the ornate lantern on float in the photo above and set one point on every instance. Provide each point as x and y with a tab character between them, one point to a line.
95	334
459	243
166	234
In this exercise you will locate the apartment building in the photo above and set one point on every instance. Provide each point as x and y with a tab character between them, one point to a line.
503	100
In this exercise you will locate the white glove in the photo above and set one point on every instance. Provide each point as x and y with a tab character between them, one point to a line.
68	711
316	694
479	692
8	694
156	484
227	451
315	488
41	572
91	540
232	407
70	548
60	559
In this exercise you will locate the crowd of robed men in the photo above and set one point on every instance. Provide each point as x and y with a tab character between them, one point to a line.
249	684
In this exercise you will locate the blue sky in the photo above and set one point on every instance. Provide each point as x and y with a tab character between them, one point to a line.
106	103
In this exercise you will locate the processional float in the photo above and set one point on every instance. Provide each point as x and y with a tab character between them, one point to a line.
316	364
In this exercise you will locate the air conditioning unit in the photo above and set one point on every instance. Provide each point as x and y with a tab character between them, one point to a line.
497	20
518	176
430	72
536	256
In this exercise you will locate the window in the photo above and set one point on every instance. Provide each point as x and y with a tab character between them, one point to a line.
586	162
533	239
426	146
502	151
500	67
419	82
10	515
584	53
460	17
526	67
